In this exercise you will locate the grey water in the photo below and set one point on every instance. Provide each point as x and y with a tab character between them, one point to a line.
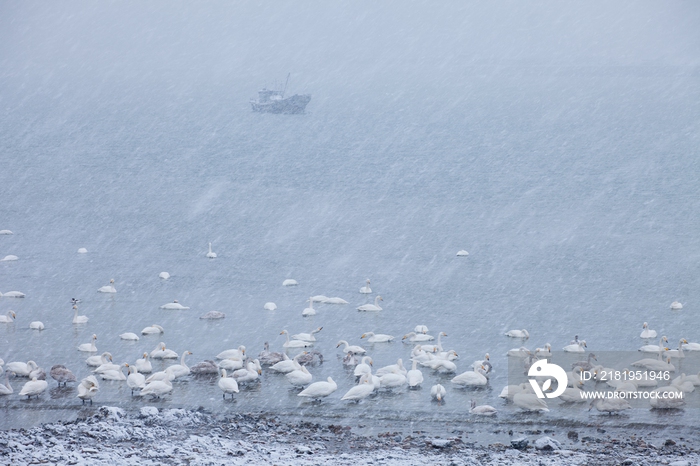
572	182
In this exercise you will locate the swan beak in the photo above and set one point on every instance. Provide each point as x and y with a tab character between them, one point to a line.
259	372
404	337
338	345
363	335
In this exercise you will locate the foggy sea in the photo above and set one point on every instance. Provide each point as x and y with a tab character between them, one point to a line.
573	185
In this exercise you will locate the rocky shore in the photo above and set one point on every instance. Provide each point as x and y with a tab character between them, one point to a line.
174	436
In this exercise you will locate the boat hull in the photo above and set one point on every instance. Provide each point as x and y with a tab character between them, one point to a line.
294	104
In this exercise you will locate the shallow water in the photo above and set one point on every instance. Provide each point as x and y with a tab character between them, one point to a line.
574	195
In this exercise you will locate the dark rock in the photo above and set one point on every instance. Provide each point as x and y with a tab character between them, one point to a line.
519	443
573	435
669	442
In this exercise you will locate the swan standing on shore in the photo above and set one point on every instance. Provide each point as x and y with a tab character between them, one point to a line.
61	374
371	307
34	387
88	388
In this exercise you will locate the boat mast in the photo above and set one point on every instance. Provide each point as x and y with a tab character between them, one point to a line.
285	84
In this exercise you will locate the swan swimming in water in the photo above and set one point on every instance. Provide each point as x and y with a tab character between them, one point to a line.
89	347
98	360
129	336
210	254
22	369
8	318
36	325
416	337
309	311
676	306
161	352
366	289
307	336
576	348
371	307
213	315
414	377
82	251
232	353
164	275
348	348
78	319
152	330
437	392
270	306
108	288
376	337
299	377
482	410
10	257
518	334
646	332
13	294
360	391
655	348
336	300
174	306
143	365
180	370
295	343
135	381
290	282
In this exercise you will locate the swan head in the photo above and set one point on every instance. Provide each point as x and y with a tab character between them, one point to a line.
145	355
443	334
94	337
241	349
487	357
75	307
283	332
14	316
645	325
111	281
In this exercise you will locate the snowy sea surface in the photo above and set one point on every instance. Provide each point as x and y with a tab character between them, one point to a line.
574	189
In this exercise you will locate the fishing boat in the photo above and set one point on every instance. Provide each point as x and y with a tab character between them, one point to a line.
274	101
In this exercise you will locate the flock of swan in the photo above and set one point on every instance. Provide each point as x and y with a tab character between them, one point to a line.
235	368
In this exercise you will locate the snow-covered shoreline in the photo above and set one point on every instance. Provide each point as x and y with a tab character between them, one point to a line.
177	436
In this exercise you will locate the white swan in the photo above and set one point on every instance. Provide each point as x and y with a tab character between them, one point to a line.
231	364
9	257
288	365
82	251
6	232
364	367
655	348
348	348
164	275
8	318
437	392
14	294
691	346
371	307
377	337
232	353
213	315
309	311
161	352
249	374
22	369
414	337
437	347
366	289
78	319
609	405
336	300
98	360
683	383
360	391
421	329
319	390
36	325
392	380
669	402
518	334
61	374
6	388
676	306
655	365
319	298
414	377
152	330
135	381
115	374
157	388
270	306
646	332
677	353
290	282
108	366
473	378
34	387
227	384
299	377
482	410
579	347
545	352
175	306
88	388
441	365
129	336
521	352
462	253
392	369
509	391
167	374
180	370
143	365
108	288
529	402
307	336
210	254
89	347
